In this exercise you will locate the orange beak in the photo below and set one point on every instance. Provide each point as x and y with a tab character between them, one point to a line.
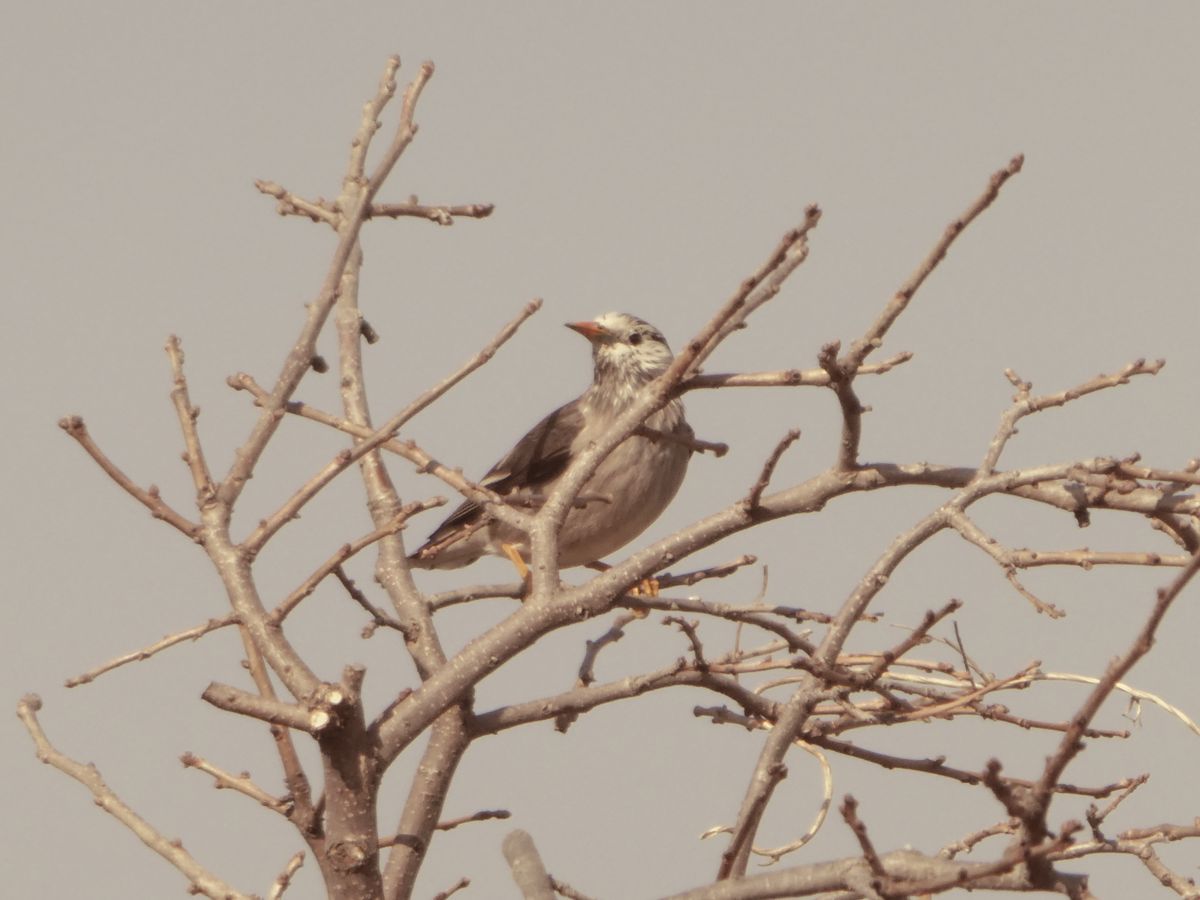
589	330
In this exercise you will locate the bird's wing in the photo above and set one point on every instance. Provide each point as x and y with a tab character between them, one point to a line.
537	459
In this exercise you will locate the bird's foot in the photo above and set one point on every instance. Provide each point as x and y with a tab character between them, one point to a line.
647	587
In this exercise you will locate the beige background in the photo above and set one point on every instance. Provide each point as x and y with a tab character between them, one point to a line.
642	157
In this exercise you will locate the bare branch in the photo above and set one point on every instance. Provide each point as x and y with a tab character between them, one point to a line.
968	843
293	205
194	454
475	592
849	811
1184	476
427	793
616	631
148	497
1070	745
785	377
774	854
268	709
667	580
442	215
873	338
583	698
972	533
937	766
284	880
170	640
1024	405
297	363
379	619
240	783
689	629
201	880
346	551
1135	694
383	437
1086	559
694	444
453	889
908	873
799	708
768	469
916	637
1096	816
483	815
370	124
841	382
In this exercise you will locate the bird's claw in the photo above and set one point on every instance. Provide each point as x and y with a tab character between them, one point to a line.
647	587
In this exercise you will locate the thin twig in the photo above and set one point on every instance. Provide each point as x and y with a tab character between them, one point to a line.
379	619
378	437
510	591
240	783
453	889
849	811
768	469
716	448
667	580
785	377
148	497
616	631
202	881
298	360
440	214
1070	745
689	629
284	880
774	854
190	634
873	337
346	551
194	454
483	815
1024	405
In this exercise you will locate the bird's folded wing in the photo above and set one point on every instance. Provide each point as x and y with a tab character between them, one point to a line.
537	459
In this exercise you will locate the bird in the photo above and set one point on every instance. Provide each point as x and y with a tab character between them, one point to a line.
628	490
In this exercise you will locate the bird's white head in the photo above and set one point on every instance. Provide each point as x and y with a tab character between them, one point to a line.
627	351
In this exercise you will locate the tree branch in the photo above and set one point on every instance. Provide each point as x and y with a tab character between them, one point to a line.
148	497
194	454
201	880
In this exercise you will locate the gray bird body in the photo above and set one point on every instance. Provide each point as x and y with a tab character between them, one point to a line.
626	493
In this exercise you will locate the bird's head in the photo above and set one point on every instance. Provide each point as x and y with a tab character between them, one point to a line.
626	350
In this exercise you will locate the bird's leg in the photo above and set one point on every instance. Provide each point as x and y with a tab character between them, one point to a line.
517	560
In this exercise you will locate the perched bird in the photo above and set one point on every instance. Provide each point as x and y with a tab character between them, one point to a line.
628	491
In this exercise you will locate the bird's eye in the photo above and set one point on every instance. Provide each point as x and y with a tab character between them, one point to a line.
635	338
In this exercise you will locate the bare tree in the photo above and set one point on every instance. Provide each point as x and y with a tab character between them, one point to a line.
787	672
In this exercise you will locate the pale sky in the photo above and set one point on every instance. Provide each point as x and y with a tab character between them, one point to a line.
644	158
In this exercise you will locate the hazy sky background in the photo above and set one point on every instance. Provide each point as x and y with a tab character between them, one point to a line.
642	157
